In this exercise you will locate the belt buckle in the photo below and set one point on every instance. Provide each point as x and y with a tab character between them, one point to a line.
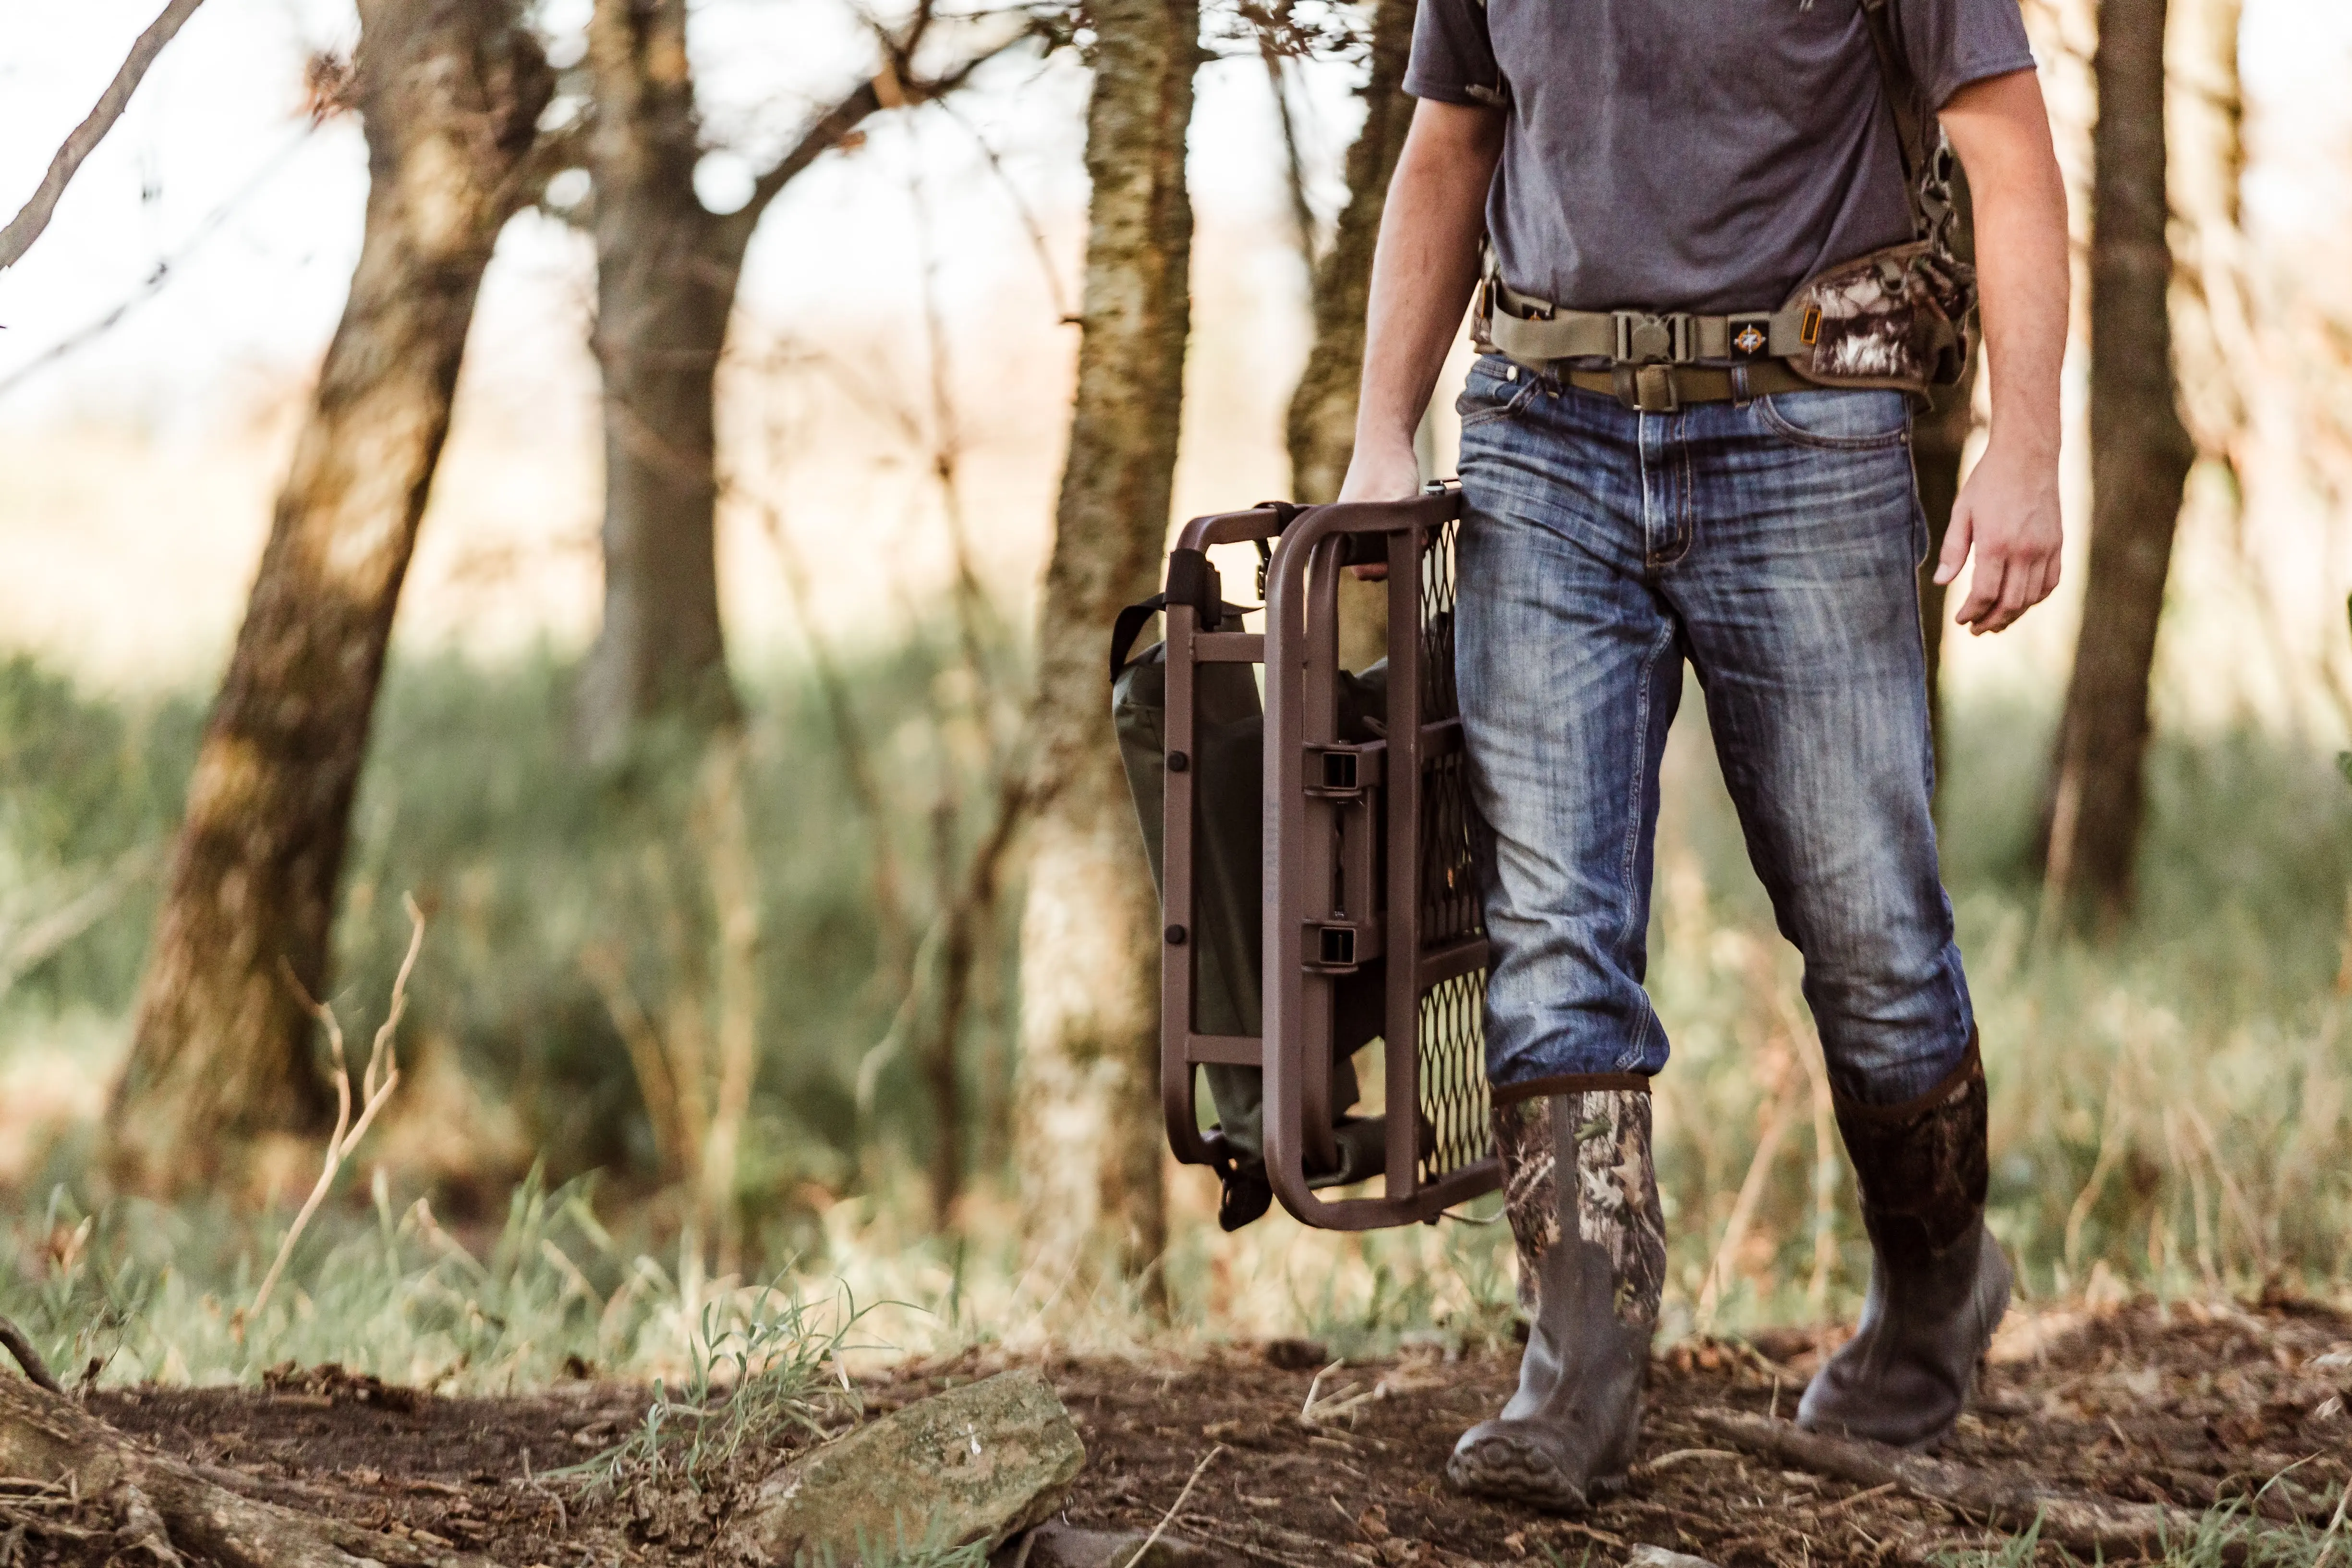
1645	339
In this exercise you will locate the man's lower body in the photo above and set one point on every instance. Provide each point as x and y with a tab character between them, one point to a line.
1773	544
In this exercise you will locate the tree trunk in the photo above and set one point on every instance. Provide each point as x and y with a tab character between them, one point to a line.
1090	1142
2141	455
450	91
667	271
1321	428
1938	441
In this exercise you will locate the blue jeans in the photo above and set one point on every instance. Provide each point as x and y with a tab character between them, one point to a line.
1774	545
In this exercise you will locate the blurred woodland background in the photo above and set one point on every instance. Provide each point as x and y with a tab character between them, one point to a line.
650	483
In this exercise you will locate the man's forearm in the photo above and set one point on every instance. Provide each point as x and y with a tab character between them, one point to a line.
2008	513
2002	135
1425	265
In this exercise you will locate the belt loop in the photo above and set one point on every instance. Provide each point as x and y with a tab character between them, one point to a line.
1740	396
1654	386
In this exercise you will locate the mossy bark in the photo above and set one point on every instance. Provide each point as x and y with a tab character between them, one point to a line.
450	92
1087	1129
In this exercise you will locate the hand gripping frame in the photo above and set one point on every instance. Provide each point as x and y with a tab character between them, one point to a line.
1368	862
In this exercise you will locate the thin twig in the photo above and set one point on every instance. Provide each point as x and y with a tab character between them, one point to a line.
1846	1502
1158	1530
971	600
647	1055
1743	1205
1316	1387
2328	1541
1259	1553
24	945
28	224
1302	216
28	1358
163	272
1055	293
376	1083
859	765
1681	1457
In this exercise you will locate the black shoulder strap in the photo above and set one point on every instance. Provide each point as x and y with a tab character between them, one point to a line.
1192	580
1129	627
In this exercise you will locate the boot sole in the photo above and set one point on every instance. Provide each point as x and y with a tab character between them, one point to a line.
1521	1472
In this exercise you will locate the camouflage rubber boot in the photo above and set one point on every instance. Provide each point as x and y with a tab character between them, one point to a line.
1583	1203
1938	1282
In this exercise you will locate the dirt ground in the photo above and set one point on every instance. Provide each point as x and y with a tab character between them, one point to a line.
2192	1404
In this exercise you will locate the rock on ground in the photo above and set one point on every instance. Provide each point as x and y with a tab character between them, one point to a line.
1659	1557
981	1462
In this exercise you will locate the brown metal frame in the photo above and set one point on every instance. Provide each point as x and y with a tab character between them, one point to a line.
1351	831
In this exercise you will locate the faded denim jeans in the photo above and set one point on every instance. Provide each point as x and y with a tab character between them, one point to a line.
1773	544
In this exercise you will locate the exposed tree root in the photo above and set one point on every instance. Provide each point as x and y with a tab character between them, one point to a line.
27	1357
165	1514
2076	1521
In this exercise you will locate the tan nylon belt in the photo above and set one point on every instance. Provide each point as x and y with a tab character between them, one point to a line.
1535	333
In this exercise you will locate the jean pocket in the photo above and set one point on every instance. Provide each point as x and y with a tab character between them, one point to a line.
1490	396
1837	421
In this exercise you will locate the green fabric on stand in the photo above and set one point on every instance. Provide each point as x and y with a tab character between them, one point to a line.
1227	924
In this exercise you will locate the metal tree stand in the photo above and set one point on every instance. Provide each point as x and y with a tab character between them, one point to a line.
1369	877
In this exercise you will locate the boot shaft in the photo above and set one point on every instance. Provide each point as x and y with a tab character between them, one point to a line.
1577	1167
1922	1167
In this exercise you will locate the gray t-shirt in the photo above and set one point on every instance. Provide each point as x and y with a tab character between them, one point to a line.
1703	155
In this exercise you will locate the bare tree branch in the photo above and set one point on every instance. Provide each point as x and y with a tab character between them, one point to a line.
28	224
893	87
2080	1522
162	273
1302	214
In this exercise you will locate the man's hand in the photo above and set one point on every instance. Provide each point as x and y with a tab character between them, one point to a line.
1383	470
1423	270
2008	513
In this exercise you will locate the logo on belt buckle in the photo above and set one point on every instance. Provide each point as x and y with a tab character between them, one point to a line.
1750	341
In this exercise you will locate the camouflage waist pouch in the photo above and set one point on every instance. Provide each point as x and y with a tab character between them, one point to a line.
1896	317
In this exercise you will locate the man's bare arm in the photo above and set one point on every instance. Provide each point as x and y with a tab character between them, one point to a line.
2007	512
1423	270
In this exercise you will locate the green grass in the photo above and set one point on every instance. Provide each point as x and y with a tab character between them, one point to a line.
2223	1535
757	1373
2173	1109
